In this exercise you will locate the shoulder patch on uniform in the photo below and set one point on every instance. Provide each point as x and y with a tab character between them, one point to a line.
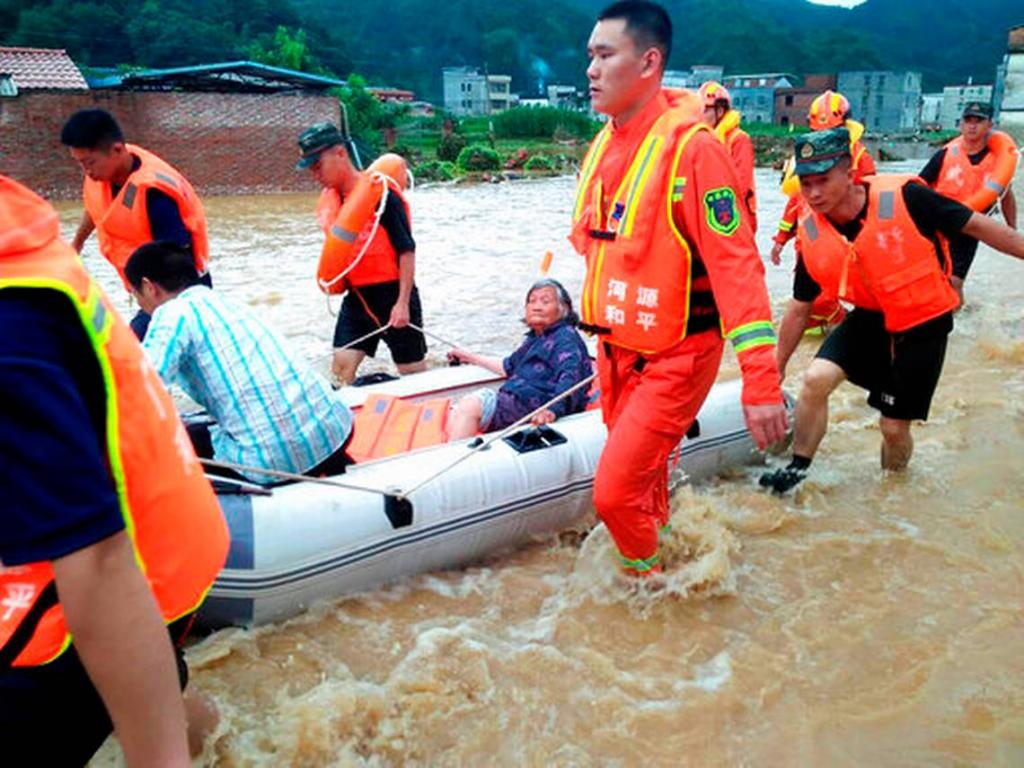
722	213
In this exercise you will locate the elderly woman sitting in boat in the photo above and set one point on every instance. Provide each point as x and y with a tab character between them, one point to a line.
551	359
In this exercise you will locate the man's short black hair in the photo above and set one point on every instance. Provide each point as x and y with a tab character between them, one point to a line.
91	129
165	263
648	24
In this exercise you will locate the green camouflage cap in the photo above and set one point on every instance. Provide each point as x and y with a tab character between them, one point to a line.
315	140
978	109
818	151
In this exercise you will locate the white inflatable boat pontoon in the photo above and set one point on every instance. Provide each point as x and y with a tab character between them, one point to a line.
296	544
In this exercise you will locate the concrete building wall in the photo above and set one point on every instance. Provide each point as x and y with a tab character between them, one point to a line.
224	143
1011	111
693	77
757	105
885	101
465	91
931	111
499	93
793	104
754	95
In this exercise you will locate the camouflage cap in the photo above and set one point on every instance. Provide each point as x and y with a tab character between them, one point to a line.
978	109
315	140
818	151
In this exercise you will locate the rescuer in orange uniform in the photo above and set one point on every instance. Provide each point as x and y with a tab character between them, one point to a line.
671	266
381	288
959	169
877	245
719	114
108	529
132	197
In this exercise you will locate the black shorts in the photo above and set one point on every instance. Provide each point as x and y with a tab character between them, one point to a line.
900	371
52	714
366	309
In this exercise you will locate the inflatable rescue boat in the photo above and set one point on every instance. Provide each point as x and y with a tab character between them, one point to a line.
293	545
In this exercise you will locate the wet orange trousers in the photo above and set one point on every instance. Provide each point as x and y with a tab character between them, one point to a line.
648	404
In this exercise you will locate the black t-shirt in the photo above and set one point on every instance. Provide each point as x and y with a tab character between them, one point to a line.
58	495
396	224
931	213
930	173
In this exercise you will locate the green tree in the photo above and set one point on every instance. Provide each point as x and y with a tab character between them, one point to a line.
288	50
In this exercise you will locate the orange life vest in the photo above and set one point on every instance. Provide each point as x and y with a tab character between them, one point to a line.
637	286
122	224
170	512
889	267
343	262
386	425
862	163
729	132
977	186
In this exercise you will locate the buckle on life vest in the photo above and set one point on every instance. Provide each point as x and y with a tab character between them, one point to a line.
595	329
600	234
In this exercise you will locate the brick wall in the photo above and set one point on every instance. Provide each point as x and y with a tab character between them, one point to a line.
224	143
794	112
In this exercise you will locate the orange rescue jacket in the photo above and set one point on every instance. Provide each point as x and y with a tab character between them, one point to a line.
170	511
638	264
961	180
122	224
889	267
741	150
639	277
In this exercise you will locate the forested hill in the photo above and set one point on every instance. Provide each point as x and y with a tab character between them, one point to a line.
406	42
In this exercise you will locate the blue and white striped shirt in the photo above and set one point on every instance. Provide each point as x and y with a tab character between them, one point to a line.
271	410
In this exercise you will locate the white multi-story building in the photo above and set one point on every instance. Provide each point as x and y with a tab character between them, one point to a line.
955	97
467	91
931	111
886	102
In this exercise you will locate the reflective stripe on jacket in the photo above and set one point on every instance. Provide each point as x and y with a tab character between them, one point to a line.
637	284
170	512
379	264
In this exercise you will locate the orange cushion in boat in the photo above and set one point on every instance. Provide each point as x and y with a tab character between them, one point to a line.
387	425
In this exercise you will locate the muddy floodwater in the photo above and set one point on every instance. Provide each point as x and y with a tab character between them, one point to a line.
871	620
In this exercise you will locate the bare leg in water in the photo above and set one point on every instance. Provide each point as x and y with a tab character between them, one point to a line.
897	443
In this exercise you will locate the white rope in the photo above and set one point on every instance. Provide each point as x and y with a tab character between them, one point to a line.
484	444
293	476
434	336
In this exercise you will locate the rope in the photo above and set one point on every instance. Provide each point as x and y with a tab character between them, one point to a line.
296	477
434	336
484	444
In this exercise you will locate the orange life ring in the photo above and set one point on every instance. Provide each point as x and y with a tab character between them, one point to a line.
340	253
1005	153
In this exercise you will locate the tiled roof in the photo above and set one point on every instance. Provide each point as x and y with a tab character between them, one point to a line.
41	68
